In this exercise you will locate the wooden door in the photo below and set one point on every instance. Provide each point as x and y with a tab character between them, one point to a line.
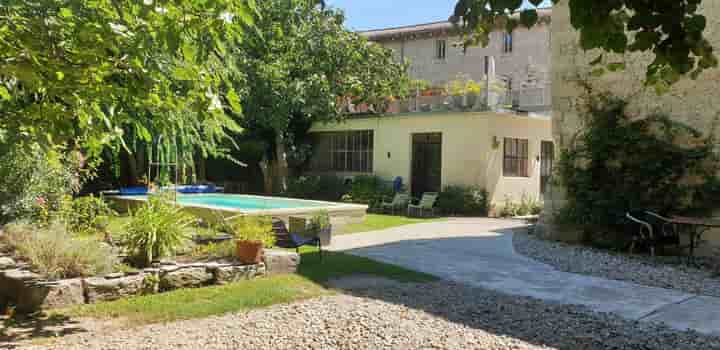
426	163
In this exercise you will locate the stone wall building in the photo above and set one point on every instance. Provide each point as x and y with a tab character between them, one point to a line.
695	102
522	58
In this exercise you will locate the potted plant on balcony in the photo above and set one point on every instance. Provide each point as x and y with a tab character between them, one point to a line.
320	225
464	92
252	235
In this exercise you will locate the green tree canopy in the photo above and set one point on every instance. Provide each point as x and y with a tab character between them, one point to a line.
672	30
95	73
302	64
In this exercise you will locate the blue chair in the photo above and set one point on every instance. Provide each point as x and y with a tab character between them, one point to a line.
285	239
398	184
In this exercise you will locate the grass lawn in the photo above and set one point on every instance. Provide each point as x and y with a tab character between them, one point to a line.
375	222
245	295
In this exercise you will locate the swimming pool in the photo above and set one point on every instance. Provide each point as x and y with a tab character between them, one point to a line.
213	207
249	203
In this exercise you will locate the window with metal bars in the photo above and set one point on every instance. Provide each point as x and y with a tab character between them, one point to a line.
440	49
346	151
515	158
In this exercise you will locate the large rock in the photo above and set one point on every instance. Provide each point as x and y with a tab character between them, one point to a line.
6	263
281	261
235	273
51	295
184	277
103	289
14	283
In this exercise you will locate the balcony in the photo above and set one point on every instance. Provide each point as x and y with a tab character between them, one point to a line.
526	100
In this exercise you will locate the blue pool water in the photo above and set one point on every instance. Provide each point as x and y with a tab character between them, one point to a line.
246	202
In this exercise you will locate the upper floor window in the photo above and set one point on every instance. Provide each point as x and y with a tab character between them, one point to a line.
507	42
440	49
515	157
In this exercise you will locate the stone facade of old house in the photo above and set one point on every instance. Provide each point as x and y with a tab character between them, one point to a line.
695	102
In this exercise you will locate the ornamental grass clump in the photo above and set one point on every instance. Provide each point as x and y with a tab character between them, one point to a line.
55	254
156	230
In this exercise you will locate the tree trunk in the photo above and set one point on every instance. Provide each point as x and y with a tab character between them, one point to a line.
200	172
266	167
281	164
129	175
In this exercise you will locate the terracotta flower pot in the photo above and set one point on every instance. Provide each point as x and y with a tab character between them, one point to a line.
249	252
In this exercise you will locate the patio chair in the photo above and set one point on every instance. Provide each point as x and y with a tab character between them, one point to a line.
286	239
665	233
655	231
400	201
426	205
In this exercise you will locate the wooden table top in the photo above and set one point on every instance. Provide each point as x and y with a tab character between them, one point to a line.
685	220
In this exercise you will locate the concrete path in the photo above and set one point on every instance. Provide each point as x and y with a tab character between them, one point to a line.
479	252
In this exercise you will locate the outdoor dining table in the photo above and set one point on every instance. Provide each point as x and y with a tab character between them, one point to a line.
695	228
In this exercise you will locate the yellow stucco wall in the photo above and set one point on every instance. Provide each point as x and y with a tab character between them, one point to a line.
695	102
468	156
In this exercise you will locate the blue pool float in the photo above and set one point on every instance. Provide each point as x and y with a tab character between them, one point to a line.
133	191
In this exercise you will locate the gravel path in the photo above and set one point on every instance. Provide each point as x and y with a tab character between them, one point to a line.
401	316
638	269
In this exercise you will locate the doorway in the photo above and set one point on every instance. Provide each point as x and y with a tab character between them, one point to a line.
426	163
547	158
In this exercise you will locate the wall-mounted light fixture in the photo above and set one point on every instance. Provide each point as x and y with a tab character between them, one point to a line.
389	155
495	142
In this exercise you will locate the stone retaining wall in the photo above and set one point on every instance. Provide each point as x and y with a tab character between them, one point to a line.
28	292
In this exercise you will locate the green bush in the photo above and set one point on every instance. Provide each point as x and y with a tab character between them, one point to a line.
254	228
621	162
509	209
156	230
462	200
54	253
368	189
86	215
325	187
222	250
34	181
320	221
527	206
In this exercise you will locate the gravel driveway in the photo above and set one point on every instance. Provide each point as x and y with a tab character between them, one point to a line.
401	316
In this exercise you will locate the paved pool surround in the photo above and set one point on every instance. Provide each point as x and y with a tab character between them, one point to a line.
340	213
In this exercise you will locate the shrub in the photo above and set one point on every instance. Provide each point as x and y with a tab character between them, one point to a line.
33	182
510	209
156	230
54	253
368	189
621	162
86	215
462	200
220	250
326	187
527	206
254	228
320	221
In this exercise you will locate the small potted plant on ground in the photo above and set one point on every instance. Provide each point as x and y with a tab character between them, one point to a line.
252	234
320	224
